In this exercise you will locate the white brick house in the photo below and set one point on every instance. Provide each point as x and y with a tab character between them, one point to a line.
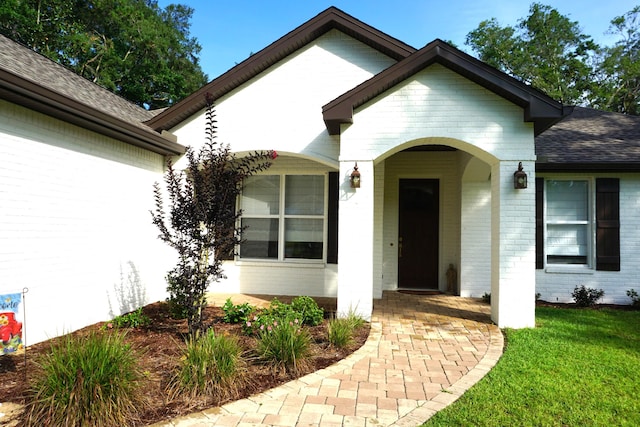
436	135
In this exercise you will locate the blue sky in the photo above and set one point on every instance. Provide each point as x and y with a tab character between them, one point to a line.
231	30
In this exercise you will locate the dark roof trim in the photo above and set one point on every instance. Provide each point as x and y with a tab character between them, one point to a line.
331	18
538	107
35	97
588	167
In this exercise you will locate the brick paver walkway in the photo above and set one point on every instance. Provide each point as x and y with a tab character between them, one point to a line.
422	354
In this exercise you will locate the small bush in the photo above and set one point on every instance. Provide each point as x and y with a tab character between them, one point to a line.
86	381
135	319
340	332
236	313
277	309
586	297
211	366
635	299
308	309
285	345
486	297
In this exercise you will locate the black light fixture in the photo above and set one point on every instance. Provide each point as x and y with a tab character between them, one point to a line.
519	178
355	177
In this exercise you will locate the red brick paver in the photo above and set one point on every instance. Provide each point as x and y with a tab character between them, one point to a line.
423	353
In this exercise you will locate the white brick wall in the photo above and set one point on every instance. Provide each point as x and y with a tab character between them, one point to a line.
558	286
512	248
281	108
439	103
74	212
475	259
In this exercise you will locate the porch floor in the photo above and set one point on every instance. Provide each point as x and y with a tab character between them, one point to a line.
423	353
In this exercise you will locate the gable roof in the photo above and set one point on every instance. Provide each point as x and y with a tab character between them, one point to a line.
590	140
331	18
34	81
538	107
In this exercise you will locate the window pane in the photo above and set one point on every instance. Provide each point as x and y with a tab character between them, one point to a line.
260	195
567	239
567	201
303	238
260	238
304	195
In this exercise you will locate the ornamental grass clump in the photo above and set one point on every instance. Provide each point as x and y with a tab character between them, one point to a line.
211	366
340	332
92	380
285	345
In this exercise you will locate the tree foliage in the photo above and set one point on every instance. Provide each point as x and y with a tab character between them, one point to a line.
132	47
201	223
618	80
546	50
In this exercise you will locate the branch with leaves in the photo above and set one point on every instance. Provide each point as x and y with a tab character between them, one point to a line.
201	222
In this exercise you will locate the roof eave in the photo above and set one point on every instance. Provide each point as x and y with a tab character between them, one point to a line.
538	108
35	97
587	167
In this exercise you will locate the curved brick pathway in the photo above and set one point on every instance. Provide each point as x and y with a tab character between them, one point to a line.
422	354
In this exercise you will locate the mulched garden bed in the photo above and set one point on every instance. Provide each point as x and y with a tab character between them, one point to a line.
159	346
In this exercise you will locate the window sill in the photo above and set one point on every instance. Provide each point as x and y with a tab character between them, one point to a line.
563	269
286	264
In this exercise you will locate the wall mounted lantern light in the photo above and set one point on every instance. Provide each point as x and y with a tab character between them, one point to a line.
355	177
519	178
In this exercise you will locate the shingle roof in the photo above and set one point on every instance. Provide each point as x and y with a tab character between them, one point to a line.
590	140
32	80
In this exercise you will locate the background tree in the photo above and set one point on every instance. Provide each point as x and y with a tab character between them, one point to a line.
618	87
546	50
131	47
202	223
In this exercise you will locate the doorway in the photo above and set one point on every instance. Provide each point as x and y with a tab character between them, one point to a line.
418	233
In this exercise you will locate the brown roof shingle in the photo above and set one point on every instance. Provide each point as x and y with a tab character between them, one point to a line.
590	140
34	81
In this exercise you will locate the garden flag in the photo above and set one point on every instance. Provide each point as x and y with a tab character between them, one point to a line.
10	326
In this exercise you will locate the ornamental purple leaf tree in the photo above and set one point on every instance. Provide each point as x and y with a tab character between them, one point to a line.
200	220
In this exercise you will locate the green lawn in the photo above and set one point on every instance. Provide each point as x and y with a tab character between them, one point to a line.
576	368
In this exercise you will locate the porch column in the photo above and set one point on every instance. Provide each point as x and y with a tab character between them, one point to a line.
355	240
512	247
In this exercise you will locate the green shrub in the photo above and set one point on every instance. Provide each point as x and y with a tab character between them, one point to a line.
236	313
635	299
486	297
586	297
211	366
86	381
135	319
340	332
308	309
277	309
285	345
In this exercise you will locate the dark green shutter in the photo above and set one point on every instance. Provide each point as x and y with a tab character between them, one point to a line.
332	219
539	223
608	224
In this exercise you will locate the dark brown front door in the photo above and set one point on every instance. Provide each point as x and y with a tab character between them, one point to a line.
418	234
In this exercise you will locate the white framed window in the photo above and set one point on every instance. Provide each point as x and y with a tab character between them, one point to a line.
569	219
284	217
